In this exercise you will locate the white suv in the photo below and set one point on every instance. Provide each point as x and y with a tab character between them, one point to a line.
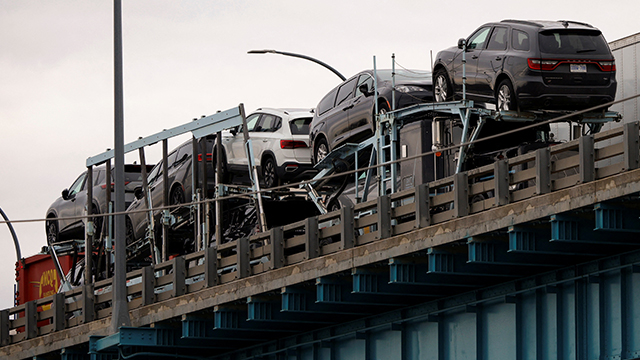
280	141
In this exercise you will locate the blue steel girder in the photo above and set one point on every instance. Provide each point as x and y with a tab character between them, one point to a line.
268	308
453	260
577	227
535	239
301	299
339	290
414	270
495	250
617	216
376	281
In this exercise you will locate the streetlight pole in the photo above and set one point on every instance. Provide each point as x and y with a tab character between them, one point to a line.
120	313
301	57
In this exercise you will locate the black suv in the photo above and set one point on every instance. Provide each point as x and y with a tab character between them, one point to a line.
530	65
347	113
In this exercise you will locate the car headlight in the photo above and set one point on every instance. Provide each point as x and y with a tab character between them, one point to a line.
409	88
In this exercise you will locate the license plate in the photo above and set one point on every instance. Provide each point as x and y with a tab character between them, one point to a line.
579	68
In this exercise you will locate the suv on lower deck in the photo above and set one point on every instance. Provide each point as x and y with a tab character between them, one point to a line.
529	65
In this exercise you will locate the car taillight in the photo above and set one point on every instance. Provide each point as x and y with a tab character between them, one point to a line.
104	186
542	64
292	144
209	157
607	65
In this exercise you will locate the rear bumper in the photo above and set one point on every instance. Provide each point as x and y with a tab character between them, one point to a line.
535	95
295	171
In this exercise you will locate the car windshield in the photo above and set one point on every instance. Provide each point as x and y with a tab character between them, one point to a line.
403	76
300	126
572	42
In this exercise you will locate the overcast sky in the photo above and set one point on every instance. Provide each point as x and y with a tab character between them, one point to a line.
184	59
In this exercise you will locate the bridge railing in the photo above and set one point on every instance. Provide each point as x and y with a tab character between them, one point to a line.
507	180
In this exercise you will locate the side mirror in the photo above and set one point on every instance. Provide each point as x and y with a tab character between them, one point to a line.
461	43
364	88
65	194
138	192
234	131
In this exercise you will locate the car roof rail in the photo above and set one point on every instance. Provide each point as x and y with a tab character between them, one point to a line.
523	22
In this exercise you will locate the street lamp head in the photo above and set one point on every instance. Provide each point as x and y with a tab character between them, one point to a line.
262	52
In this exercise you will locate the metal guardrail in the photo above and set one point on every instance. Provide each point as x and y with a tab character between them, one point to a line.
506	181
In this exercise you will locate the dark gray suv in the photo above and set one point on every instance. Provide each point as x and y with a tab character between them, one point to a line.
530	65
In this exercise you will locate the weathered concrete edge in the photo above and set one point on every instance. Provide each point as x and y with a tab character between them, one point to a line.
421	239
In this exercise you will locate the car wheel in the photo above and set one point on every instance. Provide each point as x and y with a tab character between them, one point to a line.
177	196
269	175
442	89
52	231
505	96
321	150
129	235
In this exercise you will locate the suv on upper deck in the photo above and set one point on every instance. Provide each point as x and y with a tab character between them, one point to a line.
279	138
347	113
530	65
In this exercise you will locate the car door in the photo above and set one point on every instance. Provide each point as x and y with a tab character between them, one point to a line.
73	204
264	137
475	44
337	119
234	145
490	63
361	114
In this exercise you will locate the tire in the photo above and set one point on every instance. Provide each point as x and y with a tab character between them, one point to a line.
506	97
442	89
177	196
51	229
269	175
321	150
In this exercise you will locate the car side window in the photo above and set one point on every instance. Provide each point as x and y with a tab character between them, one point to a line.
345	92
326	103
478	39
251	122
77	185
362	80
184	152
268	123
519	40
498	39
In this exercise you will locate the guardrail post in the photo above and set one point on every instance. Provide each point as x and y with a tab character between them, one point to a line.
5	338
210	266
31	319
88	304
179	274
587	159
461	194
543	171
276	238
421	199
631	141
501	178
384	217
148	285
312	246
346	227
242	253
59	312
